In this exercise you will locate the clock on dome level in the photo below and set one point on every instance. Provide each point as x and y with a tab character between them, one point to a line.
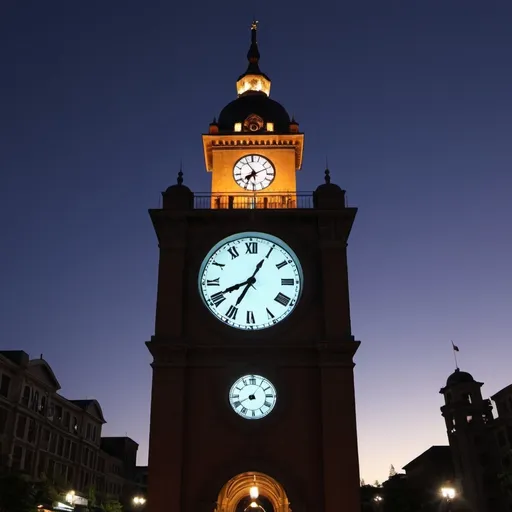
254	172
251	281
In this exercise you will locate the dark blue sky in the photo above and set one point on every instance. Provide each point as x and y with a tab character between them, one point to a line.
410	101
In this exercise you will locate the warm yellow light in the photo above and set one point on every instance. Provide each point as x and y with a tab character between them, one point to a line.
377	498
238	127
254	492
139	500
253	504
255	83
70	496
270	127
448	492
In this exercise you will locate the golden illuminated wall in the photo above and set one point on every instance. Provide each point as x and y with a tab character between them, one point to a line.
283	151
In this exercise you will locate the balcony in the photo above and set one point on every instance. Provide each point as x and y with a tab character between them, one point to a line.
256	201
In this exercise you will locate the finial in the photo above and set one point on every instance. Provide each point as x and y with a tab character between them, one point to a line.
180	174
253	55
327	176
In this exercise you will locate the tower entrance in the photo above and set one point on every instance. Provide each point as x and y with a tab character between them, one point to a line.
252	491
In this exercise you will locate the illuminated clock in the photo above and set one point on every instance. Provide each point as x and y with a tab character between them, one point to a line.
251	281
252	397
254	172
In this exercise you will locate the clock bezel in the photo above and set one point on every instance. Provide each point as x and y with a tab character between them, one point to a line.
249	234
244	417
261	156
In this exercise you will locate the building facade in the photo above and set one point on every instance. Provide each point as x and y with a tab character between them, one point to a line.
480	442
45	435
253	390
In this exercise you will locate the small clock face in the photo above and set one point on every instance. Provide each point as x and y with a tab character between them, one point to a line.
254	172
252	397
251	281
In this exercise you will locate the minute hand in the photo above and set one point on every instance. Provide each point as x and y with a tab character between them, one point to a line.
250	282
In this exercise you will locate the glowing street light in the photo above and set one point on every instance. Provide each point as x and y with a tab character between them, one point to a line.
139	500
448	493
378	498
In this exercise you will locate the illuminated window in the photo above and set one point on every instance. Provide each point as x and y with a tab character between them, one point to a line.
270	127
238	127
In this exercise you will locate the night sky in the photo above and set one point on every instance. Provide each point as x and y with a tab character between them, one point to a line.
408	100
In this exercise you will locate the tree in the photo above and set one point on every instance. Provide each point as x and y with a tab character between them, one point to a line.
17	493
112	506
392	471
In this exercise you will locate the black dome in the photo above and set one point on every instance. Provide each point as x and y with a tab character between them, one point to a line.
458	377
254	103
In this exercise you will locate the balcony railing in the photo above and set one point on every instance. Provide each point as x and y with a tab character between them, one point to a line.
259	201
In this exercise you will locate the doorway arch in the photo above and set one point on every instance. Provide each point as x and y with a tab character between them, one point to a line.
236	491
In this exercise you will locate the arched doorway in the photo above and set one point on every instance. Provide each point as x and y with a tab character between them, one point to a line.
235	495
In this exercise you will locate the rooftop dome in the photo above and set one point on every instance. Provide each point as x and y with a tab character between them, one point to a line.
458	377
257	104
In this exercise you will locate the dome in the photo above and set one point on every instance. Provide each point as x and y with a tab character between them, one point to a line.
458	377
256	103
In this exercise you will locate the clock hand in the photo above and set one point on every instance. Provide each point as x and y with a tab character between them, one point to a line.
250	282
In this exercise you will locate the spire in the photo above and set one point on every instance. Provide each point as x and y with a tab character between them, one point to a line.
180	174
253	55
253	80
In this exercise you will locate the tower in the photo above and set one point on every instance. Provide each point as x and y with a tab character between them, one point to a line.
470	427
253	393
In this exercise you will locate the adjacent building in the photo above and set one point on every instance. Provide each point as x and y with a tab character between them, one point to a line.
480	442
44	434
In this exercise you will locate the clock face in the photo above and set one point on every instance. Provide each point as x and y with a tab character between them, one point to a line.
251	281
254	172
252	397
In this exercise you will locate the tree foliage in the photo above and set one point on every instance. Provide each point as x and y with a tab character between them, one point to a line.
112	506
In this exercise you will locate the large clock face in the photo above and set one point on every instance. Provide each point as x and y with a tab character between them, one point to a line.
254	172
251	281
252	397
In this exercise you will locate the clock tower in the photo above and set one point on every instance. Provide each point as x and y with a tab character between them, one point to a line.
253	396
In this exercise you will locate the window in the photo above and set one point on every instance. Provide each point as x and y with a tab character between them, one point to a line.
469	419
75	425
51	468
66	419
73	452
5	384
32	431
42	408
35	401
53	442
88	435
20	427
94	433
17	456
4	413
469	398
29	460
60	446
58	414
25	399
67	449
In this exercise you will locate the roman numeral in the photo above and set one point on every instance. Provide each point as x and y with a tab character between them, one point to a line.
268	404
221	265
252	247
232	311
236	404
250	318
269	314
237	396
217	298
252	380
282	264
269	395
233	252
270	250
287	282
253	414
212	282
243	410
282	299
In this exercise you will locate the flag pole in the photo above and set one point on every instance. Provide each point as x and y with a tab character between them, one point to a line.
455	350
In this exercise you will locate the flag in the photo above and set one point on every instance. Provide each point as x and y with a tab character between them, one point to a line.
455	347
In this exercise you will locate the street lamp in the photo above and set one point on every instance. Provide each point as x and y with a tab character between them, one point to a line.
139	500
448	493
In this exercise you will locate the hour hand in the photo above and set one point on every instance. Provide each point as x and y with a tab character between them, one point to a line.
234	287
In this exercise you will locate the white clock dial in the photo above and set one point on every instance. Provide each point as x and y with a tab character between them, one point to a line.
252	397
254	172
251	281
